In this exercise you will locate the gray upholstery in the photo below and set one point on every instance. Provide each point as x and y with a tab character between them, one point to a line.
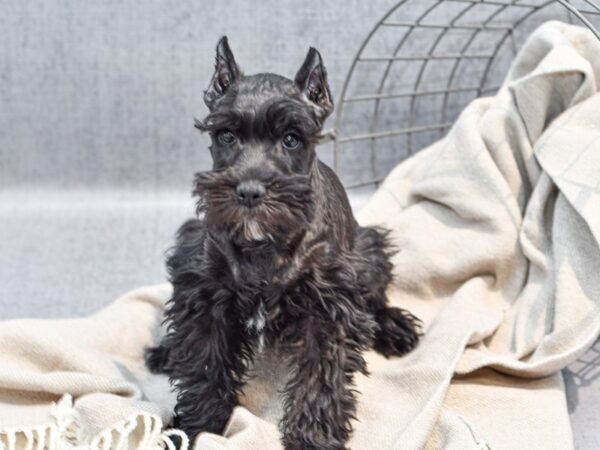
97	147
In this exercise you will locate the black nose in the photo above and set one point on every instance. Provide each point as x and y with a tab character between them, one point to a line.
250	193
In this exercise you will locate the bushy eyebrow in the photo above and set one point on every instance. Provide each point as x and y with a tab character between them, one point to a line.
221	120
286	115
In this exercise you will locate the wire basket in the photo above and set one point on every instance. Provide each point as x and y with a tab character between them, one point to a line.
421	64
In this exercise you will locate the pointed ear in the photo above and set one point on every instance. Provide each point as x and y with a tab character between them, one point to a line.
226	73
311	79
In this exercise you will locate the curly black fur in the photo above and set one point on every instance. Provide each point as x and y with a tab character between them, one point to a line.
294	272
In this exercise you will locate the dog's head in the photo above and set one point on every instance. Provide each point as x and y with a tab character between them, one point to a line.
263	129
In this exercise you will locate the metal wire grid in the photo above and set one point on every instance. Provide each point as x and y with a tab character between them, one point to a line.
586	369
435	46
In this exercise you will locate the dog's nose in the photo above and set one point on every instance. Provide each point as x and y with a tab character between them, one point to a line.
250	193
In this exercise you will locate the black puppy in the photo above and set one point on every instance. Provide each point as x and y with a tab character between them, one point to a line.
277	262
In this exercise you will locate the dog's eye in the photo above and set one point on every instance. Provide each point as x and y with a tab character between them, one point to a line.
226	137
290	141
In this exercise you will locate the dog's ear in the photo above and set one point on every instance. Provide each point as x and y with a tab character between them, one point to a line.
226	73
311	79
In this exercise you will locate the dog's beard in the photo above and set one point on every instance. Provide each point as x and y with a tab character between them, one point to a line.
286	209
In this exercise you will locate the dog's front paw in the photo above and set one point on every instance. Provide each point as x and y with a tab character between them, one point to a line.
156	358
398	333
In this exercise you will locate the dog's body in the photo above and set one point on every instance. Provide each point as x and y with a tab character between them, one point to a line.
277	262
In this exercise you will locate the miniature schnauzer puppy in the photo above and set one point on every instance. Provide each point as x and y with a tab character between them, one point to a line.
276	261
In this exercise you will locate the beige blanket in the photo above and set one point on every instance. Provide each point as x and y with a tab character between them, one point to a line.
499	230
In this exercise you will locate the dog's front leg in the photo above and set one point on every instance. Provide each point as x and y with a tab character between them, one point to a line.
319	399
208	361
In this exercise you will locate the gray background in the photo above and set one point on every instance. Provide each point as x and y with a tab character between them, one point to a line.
97	147
102	94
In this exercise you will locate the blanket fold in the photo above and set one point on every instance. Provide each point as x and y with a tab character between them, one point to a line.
498	227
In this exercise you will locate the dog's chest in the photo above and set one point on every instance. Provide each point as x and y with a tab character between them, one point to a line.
256	323
254	286
258	277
